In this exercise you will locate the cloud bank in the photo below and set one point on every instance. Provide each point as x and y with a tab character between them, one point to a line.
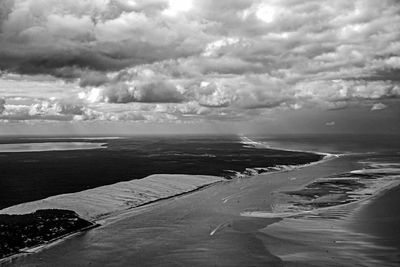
176	60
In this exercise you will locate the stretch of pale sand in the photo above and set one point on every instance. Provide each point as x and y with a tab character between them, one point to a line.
372	188
49	146
199	230
77	138
311	234
105	201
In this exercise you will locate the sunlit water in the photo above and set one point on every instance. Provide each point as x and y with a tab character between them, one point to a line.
45	167
206	228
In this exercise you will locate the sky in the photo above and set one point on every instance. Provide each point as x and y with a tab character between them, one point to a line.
199	66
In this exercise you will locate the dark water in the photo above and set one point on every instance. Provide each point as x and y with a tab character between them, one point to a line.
381	218
178	232
36	175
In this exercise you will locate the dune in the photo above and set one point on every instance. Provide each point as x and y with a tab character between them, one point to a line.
101	202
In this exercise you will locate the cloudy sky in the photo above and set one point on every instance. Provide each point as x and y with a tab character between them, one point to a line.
154	66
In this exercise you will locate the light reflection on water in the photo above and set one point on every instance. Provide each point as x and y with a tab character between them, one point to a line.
177	233
328	242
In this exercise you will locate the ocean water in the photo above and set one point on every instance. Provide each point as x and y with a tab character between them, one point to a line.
207	228
337	143
46	166
365	232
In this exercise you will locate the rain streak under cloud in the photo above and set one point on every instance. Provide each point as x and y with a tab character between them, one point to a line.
199	60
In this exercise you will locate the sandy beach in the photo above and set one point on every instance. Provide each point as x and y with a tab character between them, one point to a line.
271	218
107	201
49	146
106	204
198	229
200	133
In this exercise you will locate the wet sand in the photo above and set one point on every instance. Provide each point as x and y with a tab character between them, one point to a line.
355	224
381	218
200	229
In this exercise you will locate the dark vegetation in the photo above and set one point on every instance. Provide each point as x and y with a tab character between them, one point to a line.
32	176
27	230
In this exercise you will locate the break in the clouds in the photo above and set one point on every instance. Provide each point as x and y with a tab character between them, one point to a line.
182	60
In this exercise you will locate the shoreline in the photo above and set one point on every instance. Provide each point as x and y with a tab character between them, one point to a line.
101	221
376	190
339	222
360	202
248	141
104	220
148	205
98	222
339	239
311	246
47	244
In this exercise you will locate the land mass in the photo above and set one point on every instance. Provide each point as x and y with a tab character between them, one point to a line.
105	201
40	222
43	221
49	146
40	227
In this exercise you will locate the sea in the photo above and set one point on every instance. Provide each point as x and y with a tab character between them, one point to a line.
213	227
33	168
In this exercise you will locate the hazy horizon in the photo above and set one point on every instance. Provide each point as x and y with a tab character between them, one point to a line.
199	66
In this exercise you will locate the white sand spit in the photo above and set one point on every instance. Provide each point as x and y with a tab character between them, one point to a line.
104	201
50	146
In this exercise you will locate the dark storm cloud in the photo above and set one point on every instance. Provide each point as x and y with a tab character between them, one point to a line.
206	58
92	78
53	36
